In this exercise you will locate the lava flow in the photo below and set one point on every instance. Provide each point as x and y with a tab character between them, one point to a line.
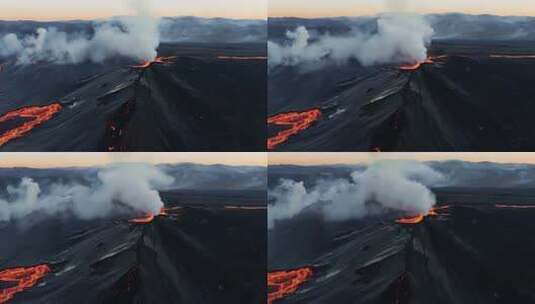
22	277
297	122
157	60
148	218
36	115
413	220
284	283
415	66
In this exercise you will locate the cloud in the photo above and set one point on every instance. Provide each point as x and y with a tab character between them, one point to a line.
383	186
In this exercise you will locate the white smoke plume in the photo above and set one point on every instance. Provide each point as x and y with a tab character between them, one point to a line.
383	186
124	189
401	37
136	37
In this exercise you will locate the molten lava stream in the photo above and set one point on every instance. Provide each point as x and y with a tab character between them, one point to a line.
148	218
297	122
417	65
413	220
37	116
157	60
283	283
22	277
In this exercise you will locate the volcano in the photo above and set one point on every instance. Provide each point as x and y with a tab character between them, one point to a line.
467	96
477	253
187	99
196	253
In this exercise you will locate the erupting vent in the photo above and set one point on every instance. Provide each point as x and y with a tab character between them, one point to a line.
417	65
157	60
295	121
22	277
35	116
284	283
148	218
412	220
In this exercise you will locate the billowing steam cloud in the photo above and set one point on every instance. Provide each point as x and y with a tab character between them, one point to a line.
122	189
134	37
386	185
400	38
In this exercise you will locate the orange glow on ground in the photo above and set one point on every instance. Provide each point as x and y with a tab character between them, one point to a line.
22	277
148	218
283	283
296	122
157	60
413	220
37	116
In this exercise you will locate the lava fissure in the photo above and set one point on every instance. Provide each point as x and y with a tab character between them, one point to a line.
283	283
296	122
36	115
23	277
158	60
417	219
149	217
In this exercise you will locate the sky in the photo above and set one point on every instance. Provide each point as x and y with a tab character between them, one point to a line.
61	160
47	10
334	8
365	158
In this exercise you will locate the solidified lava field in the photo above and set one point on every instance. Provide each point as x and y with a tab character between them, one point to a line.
202	248
195	97
469	96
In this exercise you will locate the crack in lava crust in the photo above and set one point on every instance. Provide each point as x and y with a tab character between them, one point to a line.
36	115
23	277
283	283
297	123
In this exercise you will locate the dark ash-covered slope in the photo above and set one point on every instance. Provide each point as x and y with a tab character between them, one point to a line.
474	254
196	101
467	100
192	255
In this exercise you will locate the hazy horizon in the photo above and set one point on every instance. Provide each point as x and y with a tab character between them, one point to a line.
95	159
64	10
349	158
353	8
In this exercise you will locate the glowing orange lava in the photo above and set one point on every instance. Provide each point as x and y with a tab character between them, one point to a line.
413	220
296	121
416	65
283	283
148	218
36	114
242	57
157	60
22	277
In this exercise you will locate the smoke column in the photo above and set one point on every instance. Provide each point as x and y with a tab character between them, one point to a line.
401	37
383	186
135	37
125	189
